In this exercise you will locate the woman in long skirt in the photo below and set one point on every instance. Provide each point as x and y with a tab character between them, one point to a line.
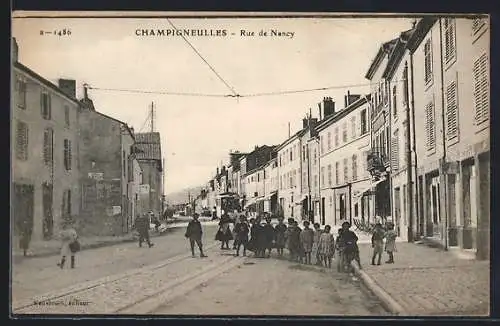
326	247
224	234
281	233
68	237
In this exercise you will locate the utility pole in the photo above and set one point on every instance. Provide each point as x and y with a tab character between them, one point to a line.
152	116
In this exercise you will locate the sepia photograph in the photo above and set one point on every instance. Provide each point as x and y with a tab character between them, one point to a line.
249	164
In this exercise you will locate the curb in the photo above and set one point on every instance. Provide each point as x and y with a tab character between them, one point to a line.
94	245
390	304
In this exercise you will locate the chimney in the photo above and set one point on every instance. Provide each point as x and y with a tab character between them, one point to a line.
305	123
15	50
217	171
68	87
328	107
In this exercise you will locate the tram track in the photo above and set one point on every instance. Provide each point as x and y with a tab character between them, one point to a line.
47	301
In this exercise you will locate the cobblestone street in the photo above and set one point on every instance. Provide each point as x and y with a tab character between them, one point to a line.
277	287
429	281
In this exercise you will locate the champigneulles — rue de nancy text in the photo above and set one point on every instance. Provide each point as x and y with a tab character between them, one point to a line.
180	32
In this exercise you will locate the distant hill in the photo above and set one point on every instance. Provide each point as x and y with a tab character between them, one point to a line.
182	196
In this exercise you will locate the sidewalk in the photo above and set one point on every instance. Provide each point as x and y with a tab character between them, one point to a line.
426	281
53	247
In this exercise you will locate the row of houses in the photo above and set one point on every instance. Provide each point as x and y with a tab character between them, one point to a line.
71	161
415	150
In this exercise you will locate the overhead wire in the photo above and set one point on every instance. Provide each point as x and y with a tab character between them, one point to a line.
204	60
262	94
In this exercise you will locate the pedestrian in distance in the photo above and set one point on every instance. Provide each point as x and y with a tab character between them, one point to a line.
315	251
194	233
307	241
377	243
269	236
69	243
390	244
241	230
281	232
142	227
326	247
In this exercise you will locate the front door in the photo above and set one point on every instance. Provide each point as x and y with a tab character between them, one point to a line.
23	209
435	204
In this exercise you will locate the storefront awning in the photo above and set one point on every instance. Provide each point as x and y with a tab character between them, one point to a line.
356	198
250	202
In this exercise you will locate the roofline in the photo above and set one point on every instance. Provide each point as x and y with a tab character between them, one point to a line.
377	60
421	30
45	81
290	139
119	121
335	118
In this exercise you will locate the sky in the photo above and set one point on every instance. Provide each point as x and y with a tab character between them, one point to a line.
197	133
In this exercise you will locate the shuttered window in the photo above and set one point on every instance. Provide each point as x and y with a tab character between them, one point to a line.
449	39
428	61
322	145
394	101
21	93
66	116
481	89
22	141
48	146
364	125
346	171
322	176
336	137
344	132
405	86
430	126
354	168
329	175
337	172
329	141
395	151
45	105
67	154
353	127
451	111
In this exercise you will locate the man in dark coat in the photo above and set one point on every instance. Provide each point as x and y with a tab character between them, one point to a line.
142	227
194	234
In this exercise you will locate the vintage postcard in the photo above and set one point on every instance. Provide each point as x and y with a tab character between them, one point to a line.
252	164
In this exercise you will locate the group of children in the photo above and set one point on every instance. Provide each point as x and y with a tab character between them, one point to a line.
379	234
302	244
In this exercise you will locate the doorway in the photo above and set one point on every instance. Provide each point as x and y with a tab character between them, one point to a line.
23	209
435	205
397	209
47	204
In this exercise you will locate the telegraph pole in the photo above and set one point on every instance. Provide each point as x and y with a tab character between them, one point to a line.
152	116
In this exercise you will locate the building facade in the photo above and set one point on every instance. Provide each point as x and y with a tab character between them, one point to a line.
271	186
106	173
451	63
344	181
44	156
289	165
148	154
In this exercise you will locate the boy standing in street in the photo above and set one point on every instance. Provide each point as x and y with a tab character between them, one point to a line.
194	234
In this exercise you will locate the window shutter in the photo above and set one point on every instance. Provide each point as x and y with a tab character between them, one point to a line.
477	23
70	156
395	151
330	175
451	110
42	111
46	146
481	89
430	126
354	167
65	152
49	100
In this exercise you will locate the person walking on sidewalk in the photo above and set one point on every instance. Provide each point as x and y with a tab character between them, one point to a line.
241	235
142	227
307	241
315	251
294	244
326	247
390	244
194	233
377	243
280	236
69	245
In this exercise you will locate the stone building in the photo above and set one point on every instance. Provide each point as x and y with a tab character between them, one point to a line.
44	156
